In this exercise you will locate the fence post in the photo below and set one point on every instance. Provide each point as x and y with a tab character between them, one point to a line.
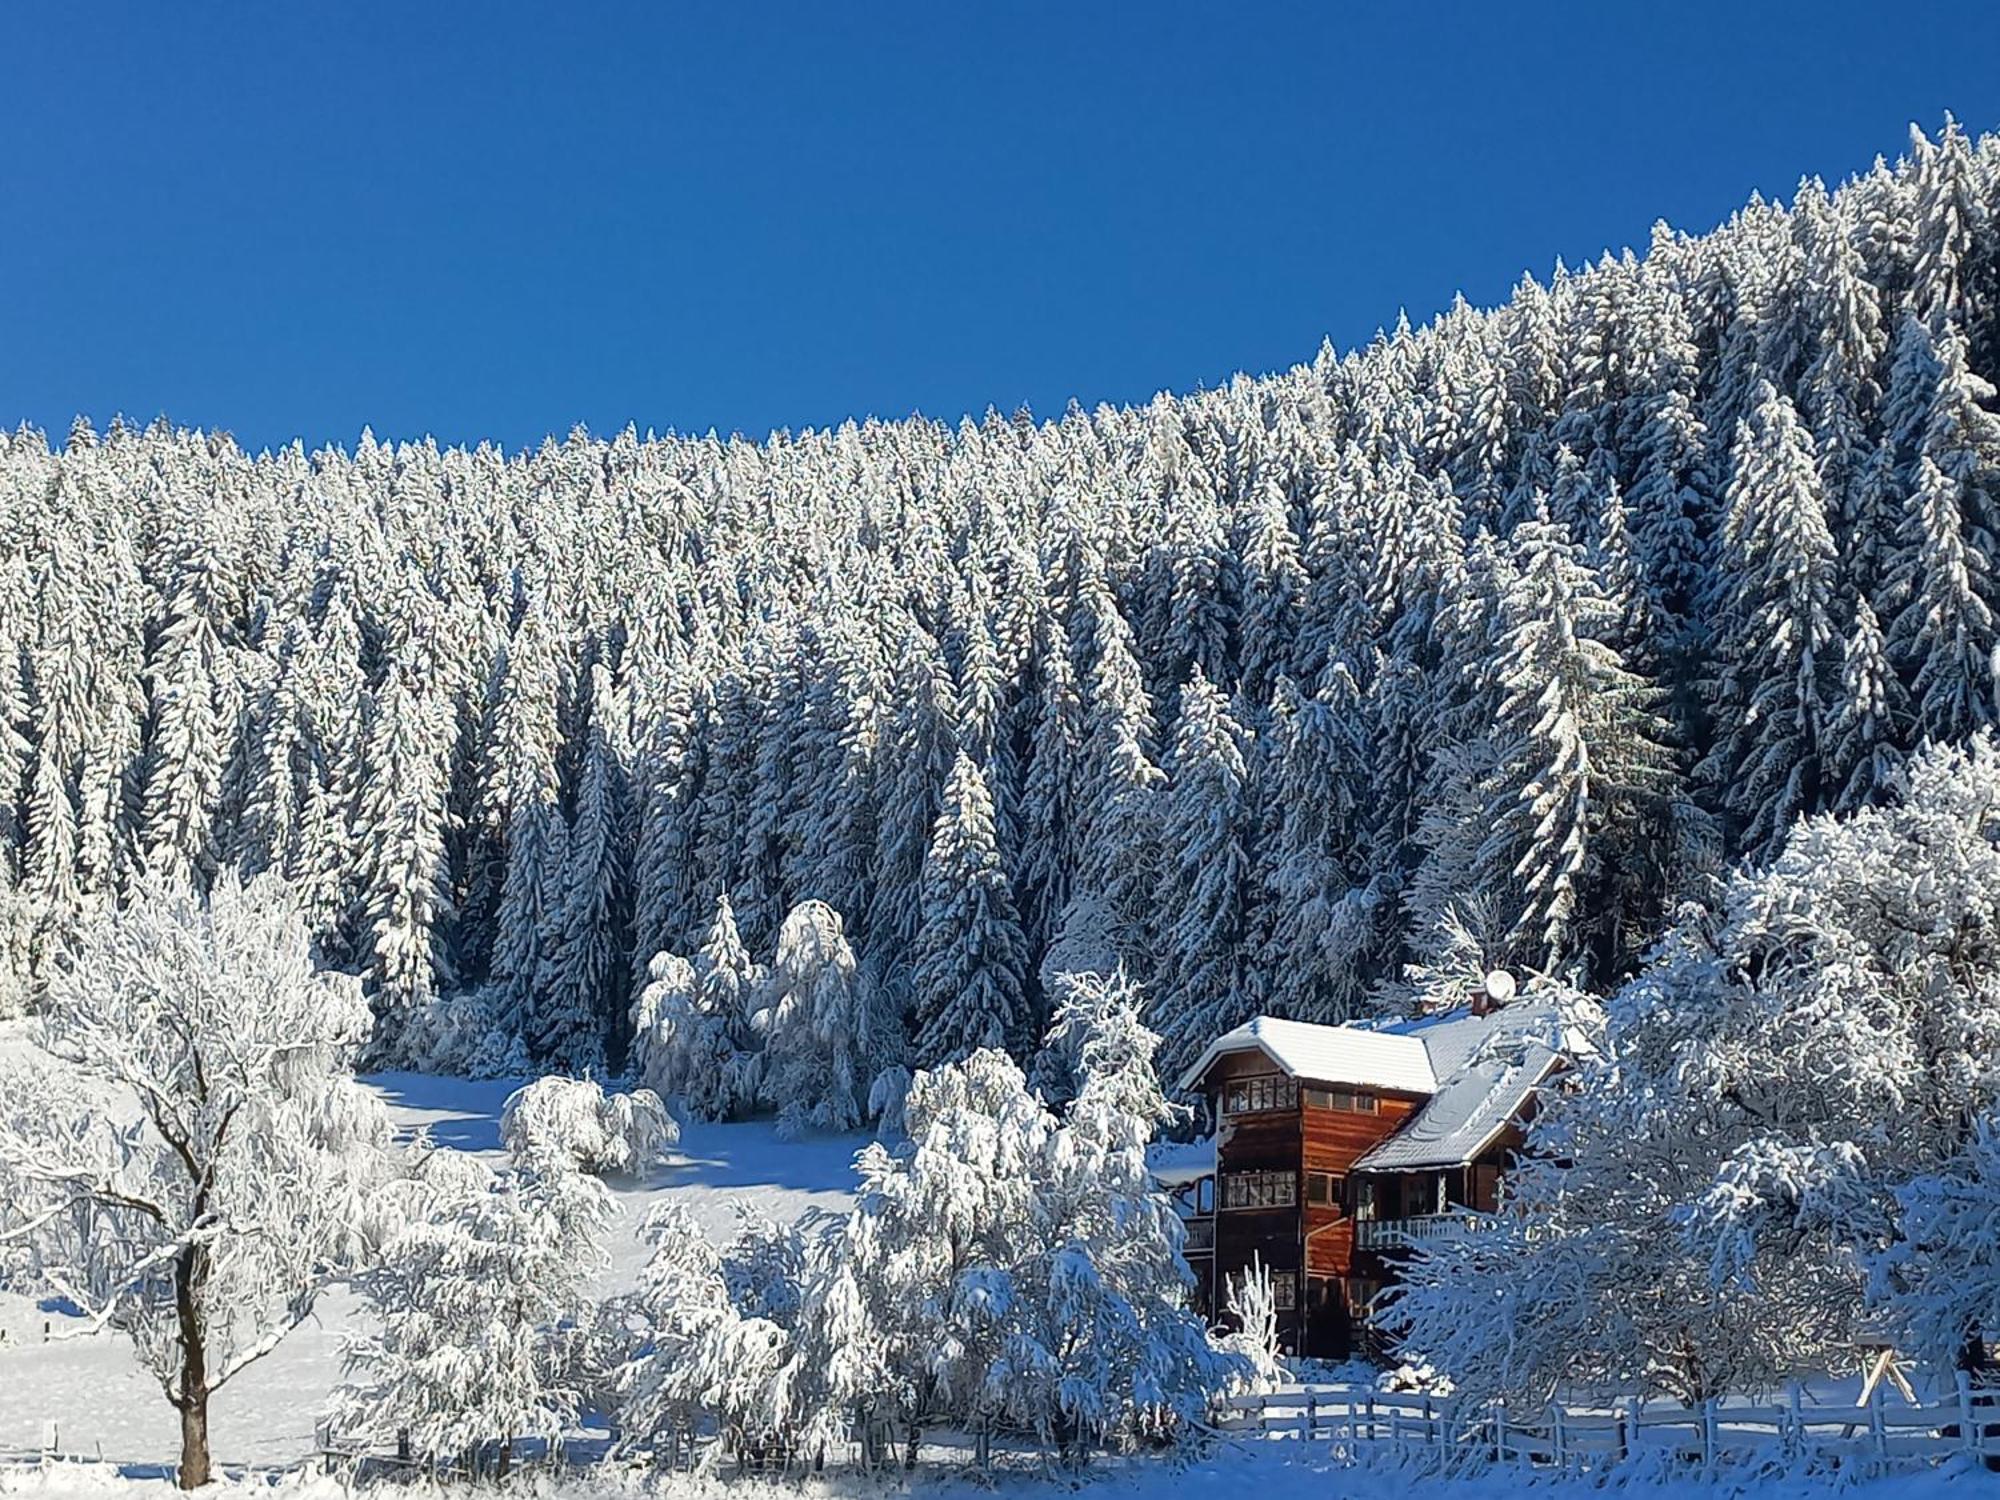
1312	1414
1500	1432
1794	1444
1634	1407
1877	1433
1431	1428
1968	1434
1708	1436
1558	1436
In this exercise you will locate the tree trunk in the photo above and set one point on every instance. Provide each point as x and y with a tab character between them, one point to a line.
189	1272
195	1464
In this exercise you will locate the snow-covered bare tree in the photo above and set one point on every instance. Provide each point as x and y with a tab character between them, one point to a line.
187	1155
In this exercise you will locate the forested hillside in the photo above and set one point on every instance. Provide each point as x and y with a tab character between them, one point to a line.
1492	642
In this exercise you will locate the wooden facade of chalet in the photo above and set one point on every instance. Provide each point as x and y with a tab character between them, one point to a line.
1328	1180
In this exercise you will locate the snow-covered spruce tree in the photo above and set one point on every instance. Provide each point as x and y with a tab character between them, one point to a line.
1774	692
971	958
1726	1153
825	1037
578	975
1203	908
574	1122
401	821
188	1157
692	1039
1945	636
480	1310
1578	767
197	643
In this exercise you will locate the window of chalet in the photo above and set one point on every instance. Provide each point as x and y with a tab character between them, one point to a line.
1360	1293
1257	1096
1285	1290
1260	1189
1364	1198
1351	1101
1322	1188
1204	1196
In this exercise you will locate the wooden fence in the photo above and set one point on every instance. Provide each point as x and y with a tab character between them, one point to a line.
1464	1434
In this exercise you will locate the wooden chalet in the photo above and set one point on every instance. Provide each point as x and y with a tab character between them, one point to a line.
1339	1147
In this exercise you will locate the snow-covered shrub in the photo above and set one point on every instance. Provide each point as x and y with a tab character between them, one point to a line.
478	1313
1254	1310
726	1035
887	1098
573	1121
461	1034
1939	1279
1696	1203
696	1356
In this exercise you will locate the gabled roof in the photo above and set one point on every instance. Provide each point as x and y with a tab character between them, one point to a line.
1465	1116
1326	1054
1479	1071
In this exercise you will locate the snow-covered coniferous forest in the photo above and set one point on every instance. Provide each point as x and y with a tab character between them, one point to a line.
1637	637
1513	631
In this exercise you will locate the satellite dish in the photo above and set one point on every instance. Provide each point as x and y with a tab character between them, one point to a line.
1499	986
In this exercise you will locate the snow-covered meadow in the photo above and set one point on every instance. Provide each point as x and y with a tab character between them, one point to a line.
94	1391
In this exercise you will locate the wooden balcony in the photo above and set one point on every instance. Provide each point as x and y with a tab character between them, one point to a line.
1200	1236
1400	1234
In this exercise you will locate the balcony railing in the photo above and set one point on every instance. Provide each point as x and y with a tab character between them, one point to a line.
1400	1234
1200	1236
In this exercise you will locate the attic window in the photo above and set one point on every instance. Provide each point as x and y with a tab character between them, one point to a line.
1256	1096
1349	1100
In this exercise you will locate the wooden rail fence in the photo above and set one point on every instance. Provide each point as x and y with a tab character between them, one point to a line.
1457	1433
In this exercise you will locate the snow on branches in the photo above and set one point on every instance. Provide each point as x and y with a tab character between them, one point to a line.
189	1158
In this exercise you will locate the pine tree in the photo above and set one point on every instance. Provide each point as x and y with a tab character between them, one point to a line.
970	963
1578	749
1204	904
1773	694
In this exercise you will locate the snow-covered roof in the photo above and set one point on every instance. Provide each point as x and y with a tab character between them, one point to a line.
1327	1054
1488	1067
1479	1071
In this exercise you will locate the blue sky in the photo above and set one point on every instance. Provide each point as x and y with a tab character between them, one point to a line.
499	220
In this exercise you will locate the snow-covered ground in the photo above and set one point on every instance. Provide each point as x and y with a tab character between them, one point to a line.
1271	1471
100	1400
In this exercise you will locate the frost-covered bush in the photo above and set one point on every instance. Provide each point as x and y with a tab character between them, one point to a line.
462	1035
1939	1279
1253	1308
821	1026
572	1120
479	1311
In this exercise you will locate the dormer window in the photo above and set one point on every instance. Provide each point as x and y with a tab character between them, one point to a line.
1259	1096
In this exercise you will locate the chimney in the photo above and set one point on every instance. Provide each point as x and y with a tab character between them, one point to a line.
1493	993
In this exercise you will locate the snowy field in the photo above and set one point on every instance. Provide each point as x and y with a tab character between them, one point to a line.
94	1390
